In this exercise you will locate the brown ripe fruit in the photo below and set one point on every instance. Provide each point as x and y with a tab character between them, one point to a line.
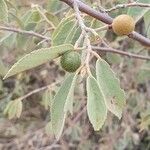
123	25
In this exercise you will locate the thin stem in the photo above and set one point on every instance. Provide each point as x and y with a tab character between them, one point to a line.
104	17
95	54
84	35
134	4
29	33
38	90
44	16
106	27
120	52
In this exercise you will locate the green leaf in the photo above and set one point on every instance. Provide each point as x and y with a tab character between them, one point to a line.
96	107
1	85
71	33
52	18
145	120
7	107
31	16
75	35
48	128
8	40
47	99
19	108
66	32
3	69
37	58
3	11
136	12
61	25
53	5
147	23
16	18
143	74
113	58
58	114
70	96
13	109
30	21
63	33
110	86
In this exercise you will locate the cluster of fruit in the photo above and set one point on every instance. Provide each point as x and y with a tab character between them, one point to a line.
122	25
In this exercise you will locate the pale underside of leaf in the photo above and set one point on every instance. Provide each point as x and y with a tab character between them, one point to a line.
19	108
96	107
63	33
58	114
37	58
70	96
48	128
3	11
47	99
61	25
136	12
71	33
110	86
7	107
12	110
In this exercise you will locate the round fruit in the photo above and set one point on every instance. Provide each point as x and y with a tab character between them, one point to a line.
123	25
70	61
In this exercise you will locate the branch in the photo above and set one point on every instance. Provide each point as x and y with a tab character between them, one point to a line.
38	90
84	35
120	52
88	10
104	17
134	4
29	33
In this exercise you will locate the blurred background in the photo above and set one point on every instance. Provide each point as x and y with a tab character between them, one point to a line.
32	131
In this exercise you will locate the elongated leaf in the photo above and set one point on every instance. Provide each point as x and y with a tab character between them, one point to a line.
52	18
3	11
147	23
30	21
58	114
7	107
143	74
19	108
12	110
63	33
1	85
137	12
30	17
8	40
47	99
3	69
60	26
37	58
96	107
109	84
48	128
72	32
53	5
70	96
75	35
145	120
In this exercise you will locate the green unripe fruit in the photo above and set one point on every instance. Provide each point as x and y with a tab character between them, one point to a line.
70	61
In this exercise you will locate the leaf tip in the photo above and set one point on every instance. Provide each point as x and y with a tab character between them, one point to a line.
5	77
119	116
